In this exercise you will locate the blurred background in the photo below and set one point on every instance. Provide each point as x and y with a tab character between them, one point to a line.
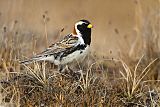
121	27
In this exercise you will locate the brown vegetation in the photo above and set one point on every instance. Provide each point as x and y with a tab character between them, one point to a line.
123	72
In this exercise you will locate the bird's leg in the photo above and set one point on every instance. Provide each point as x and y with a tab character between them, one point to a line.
64	68
75	75
52	65
60	68
69	69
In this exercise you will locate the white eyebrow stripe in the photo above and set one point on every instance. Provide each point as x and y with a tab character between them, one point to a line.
80	23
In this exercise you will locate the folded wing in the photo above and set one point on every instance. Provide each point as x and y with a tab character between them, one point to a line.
55	50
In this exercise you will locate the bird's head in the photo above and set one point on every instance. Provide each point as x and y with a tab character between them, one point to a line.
83	28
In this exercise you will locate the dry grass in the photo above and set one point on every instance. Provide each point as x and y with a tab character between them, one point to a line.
130	81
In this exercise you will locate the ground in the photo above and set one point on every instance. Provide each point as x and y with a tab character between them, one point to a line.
122	69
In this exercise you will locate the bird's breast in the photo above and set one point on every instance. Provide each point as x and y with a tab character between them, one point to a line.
78	55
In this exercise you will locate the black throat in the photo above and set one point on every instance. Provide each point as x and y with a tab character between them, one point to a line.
86	35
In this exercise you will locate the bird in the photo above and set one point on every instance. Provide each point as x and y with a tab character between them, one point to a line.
74	46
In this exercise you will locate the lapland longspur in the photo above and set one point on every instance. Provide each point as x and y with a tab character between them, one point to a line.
73	46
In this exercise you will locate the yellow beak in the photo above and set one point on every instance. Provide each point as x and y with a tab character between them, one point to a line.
90	26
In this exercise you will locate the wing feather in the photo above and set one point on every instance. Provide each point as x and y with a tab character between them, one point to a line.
67	42
55	49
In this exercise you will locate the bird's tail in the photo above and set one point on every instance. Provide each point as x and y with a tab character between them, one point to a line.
34	59
26	61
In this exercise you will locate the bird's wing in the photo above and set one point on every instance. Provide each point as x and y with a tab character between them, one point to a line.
56	49
67	42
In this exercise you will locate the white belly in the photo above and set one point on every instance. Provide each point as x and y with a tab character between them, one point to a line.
77	55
